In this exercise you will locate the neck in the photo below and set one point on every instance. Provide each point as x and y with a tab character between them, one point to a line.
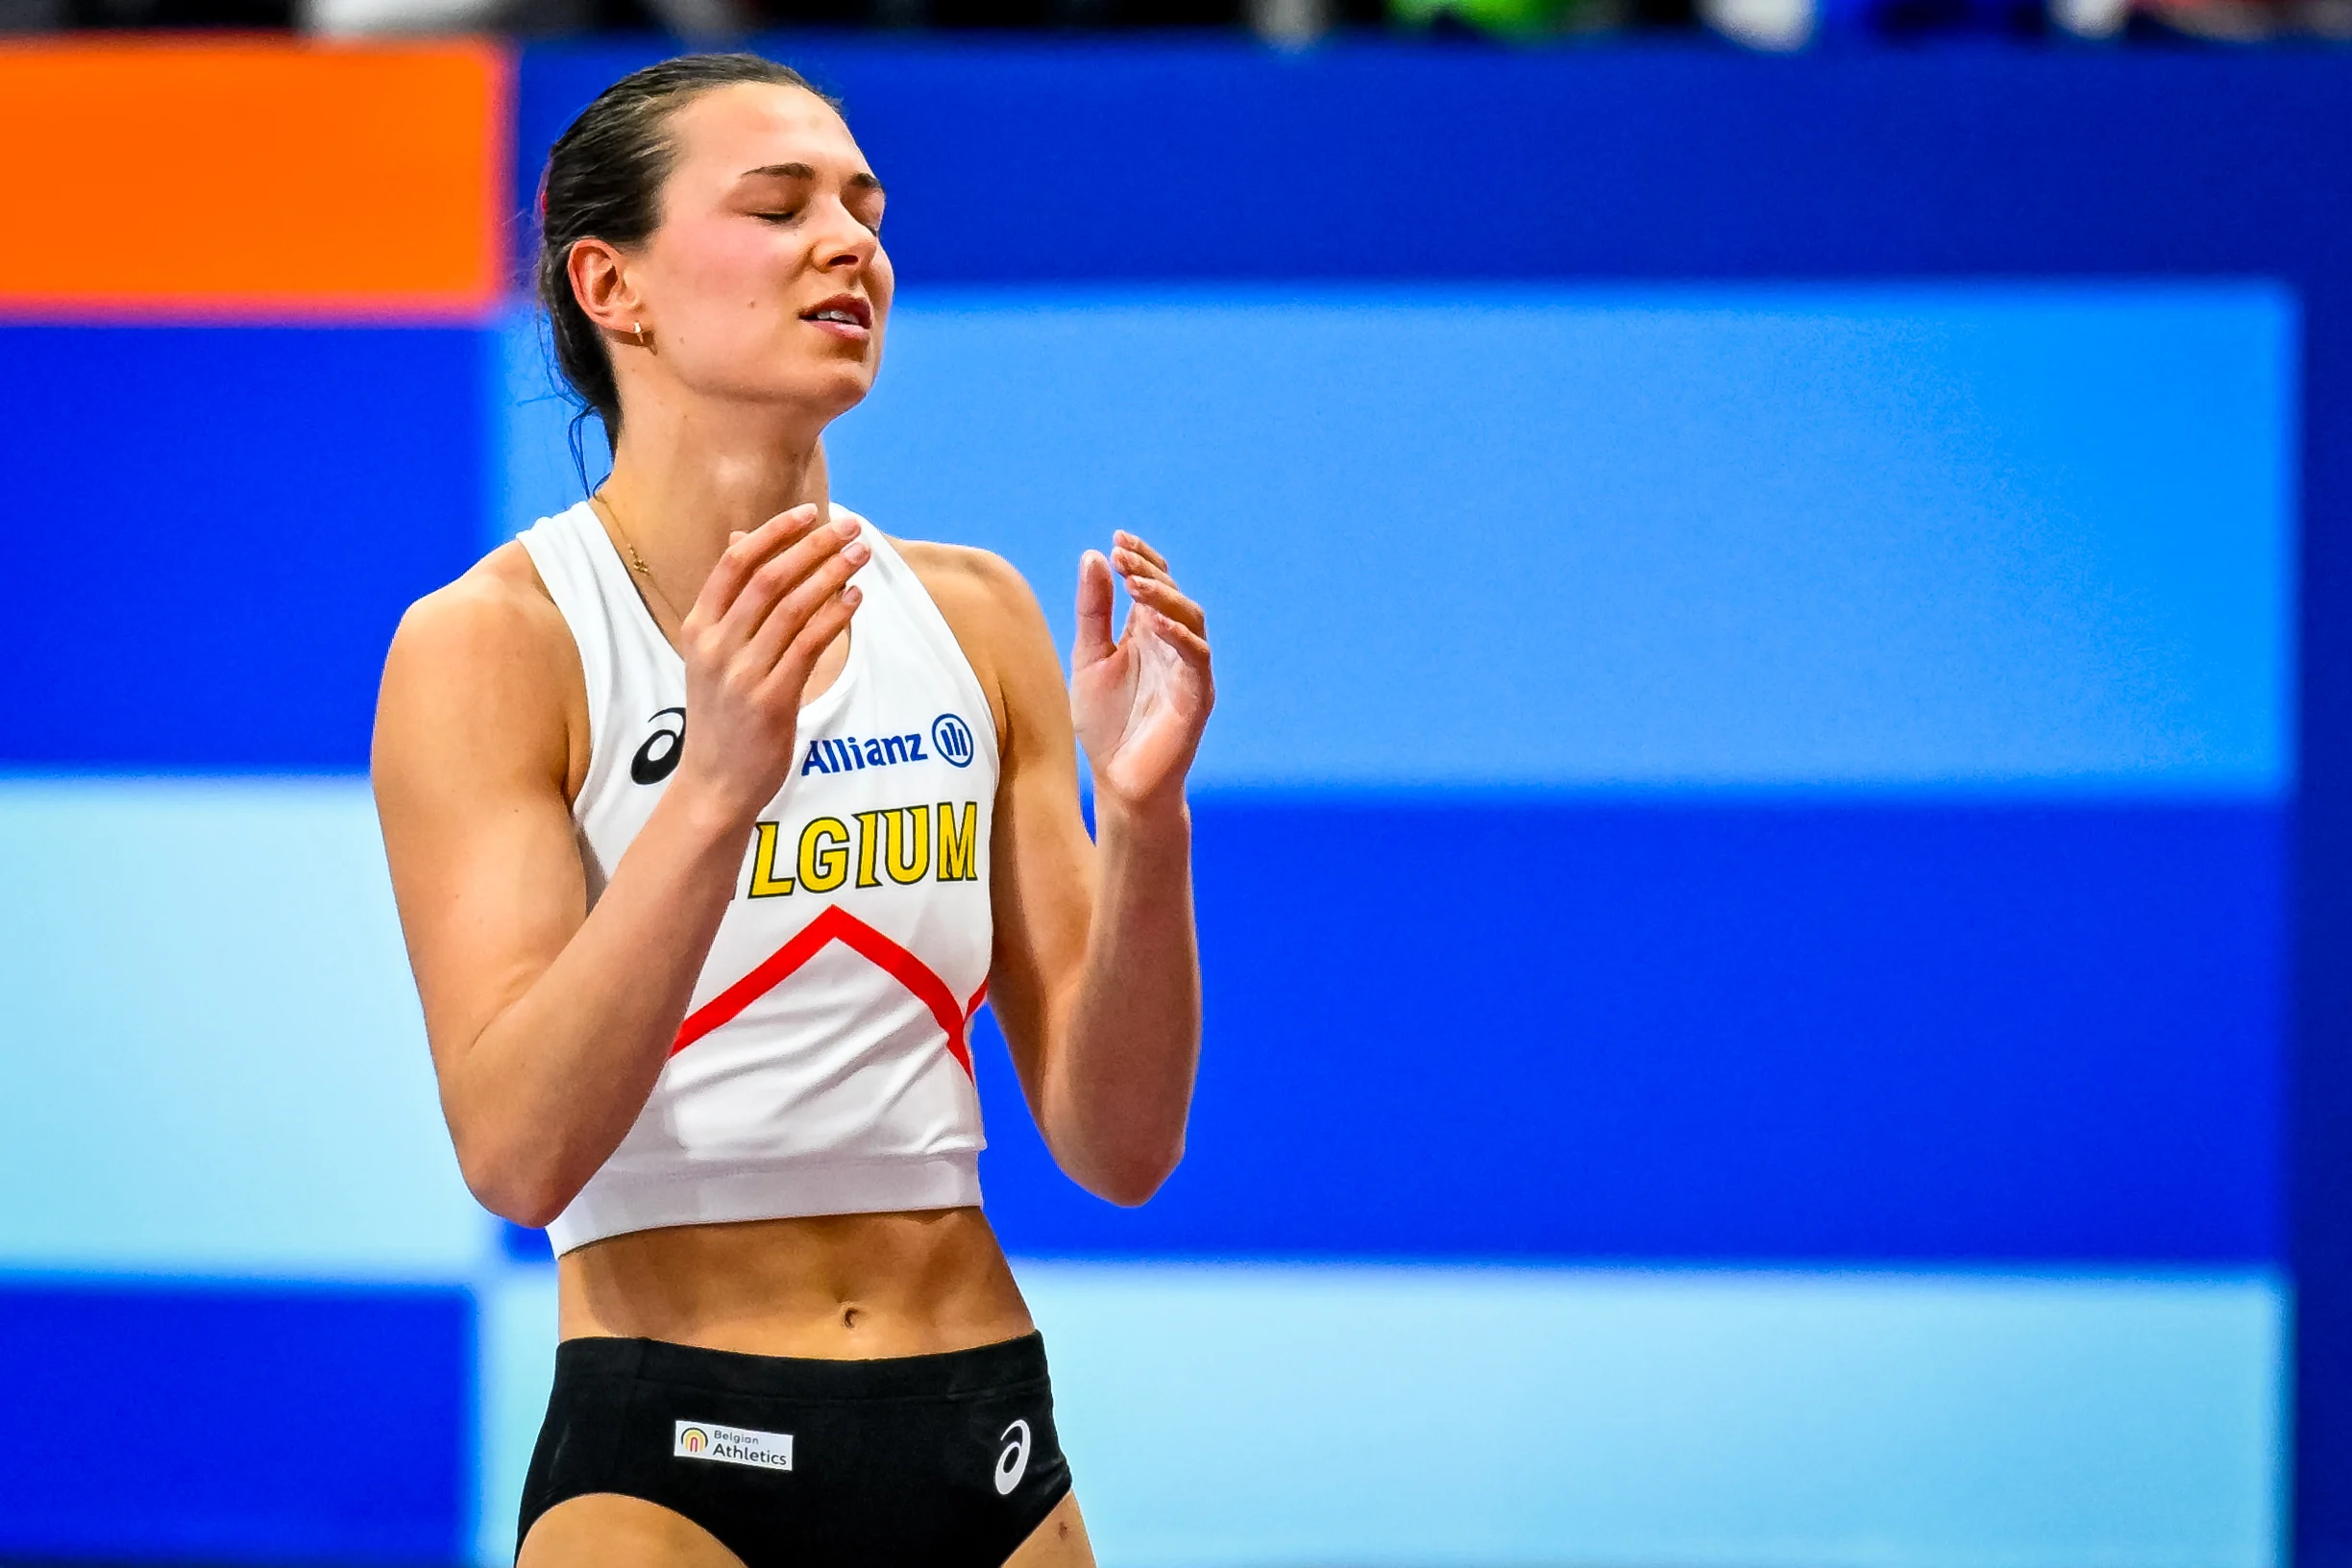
681	486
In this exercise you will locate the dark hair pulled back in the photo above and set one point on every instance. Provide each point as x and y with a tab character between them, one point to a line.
603	181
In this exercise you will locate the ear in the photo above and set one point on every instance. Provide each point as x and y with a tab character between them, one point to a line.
606	291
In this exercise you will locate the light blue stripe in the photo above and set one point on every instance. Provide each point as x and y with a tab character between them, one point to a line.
218	1064
1217	1417
533	414
1992	537
518	1366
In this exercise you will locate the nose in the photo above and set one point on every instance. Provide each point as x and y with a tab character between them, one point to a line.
842	243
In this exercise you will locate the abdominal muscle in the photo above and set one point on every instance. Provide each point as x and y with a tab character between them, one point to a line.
833	1286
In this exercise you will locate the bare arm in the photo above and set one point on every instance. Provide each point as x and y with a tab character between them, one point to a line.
1096	976
549	1023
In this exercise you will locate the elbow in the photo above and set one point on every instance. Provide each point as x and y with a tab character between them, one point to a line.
530	1194
531	1206
1130	1178
531	1213
1128	1193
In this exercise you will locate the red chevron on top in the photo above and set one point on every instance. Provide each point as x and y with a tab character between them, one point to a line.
835	924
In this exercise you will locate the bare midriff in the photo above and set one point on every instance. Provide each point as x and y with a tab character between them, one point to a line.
837	1286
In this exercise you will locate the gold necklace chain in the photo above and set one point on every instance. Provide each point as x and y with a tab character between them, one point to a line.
637	560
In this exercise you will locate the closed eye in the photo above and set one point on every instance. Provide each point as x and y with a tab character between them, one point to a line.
872	225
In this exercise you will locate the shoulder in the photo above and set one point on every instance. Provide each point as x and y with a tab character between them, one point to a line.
499	608
998	622
491	648
985	601
976	584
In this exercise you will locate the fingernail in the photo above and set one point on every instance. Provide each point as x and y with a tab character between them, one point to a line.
845	529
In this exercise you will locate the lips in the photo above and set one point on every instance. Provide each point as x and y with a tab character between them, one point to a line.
841	310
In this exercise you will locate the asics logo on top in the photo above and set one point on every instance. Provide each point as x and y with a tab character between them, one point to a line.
1014	1462
953	739
659	758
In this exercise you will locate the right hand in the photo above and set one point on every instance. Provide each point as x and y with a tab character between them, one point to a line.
776	600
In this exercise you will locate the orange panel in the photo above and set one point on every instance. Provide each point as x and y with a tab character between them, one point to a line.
252	175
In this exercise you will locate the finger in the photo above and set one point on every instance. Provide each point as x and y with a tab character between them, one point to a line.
745	552
790	677
778	576
768	645
1162	597
1093	644
1128	564
748	551
1189	644
1124	540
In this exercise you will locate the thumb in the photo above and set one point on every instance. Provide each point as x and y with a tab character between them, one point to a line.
1095	643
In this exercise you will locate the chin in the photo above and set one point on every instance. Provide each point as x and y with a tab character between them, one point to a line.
826	392
836	393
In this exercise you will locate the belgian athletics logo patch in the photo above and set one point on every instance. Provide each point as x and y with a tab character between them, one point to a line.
732	1445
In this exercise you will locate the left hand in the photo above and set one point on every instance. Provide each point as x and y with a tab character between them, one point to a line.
1139	704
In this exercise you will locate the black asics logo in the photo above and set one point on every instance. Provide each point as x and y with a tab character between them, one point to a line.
659	758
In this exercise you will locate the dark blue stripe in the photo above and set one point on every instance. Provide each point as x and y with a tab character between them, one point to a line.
1020	161
1868	1033
214	531
195	1424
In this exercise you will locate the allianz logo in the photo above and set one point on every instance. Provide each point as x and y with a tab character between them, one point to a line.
950	742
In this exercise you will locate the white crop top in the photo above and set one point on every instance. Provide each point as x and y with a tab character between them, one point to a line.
823	1066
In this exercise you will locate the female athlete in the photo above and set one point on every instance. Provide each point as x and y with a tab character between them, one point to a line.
713	813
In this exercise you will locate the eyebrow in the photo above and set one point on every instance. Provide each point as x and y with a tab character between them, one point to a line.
861	181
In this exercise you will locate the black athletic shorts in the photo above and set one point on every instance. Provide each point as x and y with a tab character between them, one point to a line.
946	1461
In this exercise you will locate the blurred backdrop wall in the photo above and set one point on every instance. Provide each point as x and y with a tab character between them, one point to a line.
1782	722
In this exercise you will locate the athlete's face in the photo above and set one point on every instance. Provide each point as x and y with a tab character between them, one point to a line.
767	281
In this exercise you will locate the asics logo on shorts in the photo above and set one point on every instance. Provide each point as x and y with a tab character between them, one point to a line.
1014	1462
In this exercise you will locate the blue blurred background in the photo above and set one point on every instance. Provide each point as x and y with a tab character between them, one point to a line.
1781	683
